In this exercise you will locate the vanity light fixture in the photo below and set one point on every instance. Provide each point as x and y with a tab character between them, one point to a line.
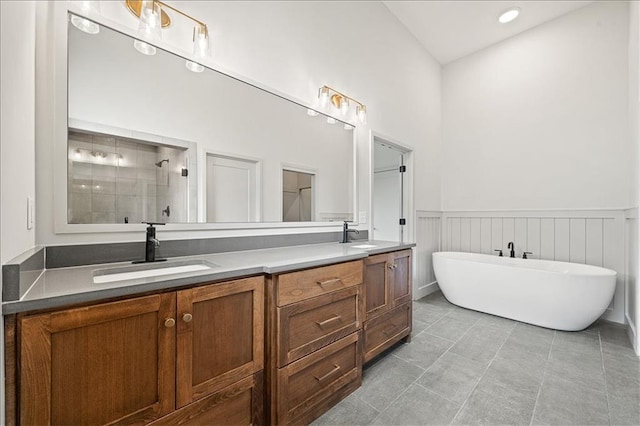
509	15
341	102
153	18
87	8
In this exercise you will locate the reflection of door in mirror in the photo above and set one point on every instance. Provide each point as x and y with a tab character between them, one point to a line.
297	196
113	179
232	189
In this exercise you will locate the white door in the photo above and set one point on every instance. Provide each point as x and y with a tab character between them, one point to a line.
231	189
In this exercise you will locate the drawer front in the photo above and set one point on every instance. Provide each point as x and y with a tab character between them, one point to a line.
306	385
307	326
296	286
238	404
385	330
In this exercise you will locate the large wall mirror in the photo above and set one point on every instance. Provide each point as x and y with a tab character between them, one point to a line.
150	140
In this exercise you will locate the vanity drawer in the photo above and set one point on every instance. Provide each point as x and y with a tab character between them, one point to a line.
383	331
308	386
306	326
296	286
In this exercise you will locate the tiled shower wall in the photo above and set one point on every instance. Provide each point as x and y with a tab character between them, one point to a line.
113	180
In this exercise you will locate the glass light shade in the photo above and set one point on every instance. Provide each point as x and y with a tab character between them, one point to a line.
200	42
144	48
150	24
85	25
331	120
194	66
361	112
323	95
344	106
311	112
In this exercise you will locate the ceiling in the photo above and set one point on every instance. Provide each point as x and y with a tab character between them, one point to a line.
452	29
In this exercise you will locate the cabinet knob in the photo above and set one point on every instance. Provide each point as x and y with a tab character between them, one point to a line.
187	317
391	266
169	322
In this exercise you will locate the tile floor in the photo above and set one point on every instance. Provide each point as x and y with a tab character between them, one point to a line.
466	367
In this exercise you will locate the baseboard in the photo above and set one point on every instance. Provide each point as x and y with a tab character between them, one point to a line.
633	336
425	290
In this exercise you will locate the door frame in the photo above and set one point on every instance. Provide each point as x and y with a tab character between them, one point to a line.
408	190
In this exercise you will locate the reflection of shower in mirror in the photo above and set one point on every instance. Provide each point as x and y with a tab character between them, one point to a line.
159	163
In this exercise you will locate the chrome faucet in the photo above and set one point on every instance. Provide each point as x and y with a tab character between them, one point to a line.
346	230
151	244
512	253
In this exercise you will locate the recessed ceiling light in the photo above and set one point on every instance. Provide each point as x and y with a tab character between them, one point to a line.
509	15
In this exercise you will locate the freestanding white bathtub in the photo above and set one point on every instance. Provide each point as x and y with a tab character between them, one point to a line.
559	295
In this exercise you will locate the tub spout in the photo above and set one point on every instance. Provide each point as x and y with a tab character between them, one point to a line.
512	253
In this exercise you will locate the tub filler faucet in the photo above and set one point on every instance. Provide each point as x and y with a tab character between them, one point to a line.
512	253
346	230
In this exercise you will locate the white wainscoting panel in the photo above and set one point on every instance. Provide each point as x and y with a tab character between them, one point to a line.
579	236
632	297
428	232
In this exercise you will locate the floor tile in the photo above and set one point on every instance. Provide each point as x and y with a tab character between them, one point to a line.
418	406
451	328
464	314
436	298
577	341
385	380
350	411
452	377
484	408
581	368
517	374
614	334
428	313
624	411
423	350
562	402
495	321
480	343
418	327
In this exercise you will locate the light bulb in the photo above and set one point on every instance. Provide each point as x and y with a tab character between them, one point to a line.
194	66
323	95
509	15
85	25
361	112
144	48
344	106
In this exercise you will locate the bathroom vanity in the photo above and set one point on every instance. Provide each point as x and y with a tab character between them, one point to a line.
279	347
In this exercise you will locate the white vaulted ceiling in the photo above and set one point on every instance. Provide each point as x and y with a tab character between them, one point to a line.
452	29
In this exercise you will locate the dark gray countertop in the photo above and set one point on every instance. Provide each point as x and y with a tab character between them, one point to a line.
65	286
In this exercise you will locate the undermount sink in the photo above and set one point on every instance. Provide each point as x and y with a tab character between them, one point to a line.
148	270
365	246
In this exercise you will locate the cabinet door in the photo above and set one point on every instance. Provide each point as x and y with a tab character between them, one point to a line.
107	363
400	277
375	282
220	336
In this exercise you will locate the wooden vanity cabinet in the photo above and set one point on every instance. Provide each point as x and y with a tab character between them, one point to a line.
196	355
314	324
387	300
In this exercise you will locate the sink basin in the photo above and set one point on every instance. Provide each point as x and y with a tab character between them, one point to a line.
148	270
365	246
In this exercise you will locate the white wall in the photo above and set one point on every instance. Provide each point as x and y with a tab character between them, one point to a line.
293	48
539	121
17	115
